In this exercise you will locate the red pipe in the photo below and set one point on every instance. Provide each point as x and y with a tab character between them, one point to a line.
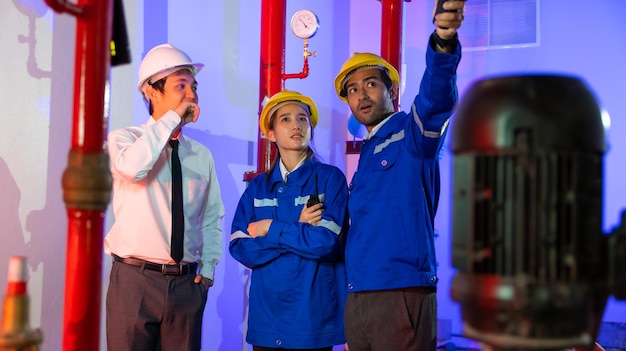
391	36
301	75
272	66
65	6
305	68
83	274
86	180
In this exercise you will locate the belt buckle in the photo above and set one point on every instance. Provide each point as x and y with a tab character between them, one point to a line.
172	269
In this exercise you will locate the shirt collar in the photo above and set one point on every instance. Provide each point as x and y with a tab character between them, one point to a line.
377	127
283	170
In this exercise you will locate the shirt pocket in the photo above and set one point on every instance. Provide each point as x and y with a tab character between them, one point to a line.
384	174
196	192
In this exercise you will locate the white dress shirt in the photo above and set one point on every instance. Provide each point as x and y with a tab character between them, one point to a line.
142	191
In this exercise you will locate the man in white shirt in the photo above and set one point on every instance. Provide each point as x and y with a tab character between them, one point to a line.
157	293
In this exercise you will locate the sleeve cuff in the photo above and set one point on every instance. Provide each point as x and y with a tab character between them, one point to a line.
436	41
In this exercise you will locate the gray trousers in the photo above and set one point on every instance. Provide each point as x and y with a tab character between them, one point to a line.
392	320
149	311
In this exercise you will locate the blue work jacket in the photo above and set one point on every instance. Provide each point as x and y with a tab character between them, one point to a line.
298	287
394	193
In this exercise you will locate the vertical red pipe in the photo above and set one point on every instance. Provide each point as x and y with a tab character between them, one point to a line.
391	36
91	76
86	180
272	67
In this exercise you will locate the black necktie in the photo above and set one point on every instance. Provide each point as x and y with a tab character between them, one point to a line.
178	222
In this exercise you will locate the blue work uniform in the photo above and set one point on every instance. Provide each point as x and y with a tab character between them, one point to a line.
394	192
297	289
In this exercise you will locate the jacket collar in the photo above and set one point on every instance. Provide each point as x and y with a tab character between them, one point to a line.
380	128
299	176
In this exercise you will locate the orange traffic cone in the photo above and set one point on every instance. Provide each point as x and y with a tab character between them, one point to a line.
15	331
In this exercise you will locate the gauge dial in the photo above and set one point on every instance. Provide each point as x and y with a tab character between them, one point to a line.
304	24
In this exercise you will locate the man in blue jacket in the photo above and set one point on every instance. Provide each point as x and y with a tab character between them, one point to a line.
390	251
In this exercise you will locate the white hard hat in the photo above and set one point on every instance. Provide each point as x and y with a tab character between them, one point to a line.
163	60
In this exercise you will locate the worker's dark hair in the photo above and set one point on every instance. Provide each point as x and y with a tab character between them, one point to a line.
158	85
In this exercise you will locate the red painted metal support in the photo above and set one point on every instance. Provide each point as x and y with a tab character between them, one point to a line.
86	180
272	66
391	35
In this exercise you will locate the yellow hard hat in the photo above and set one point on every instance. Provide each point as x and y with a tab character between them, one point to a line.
280	98
363	60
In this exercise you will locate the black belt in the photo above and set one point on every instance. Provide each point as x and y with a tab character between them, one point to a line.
165	269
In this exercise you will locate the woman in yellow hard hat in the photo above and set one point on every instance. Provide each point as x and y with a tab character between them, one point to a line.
287	230
267	121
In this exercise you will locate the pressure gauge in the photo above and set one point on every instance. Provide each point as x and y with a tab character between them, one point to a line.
304	24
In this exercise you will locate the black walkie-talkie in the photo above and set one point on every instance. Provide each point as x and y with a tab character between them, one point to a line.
314	199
